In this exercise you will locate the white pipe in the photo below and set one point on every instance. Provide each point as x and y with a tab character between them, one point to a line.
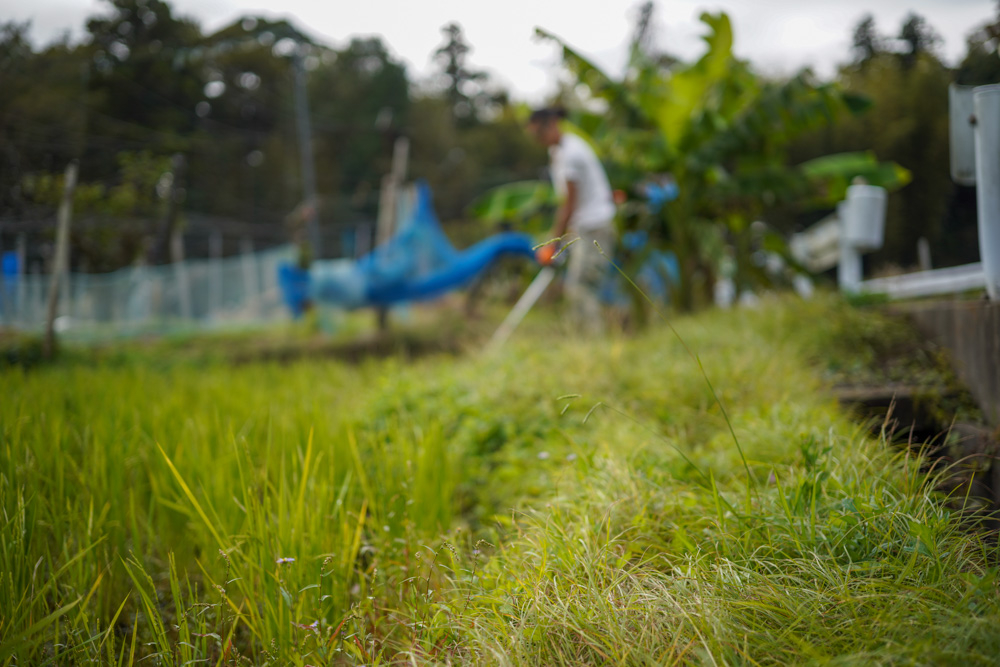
951	280
987	107
864	217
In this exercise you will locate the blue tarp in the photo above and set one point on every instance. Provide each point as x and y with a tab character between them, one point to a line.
417	263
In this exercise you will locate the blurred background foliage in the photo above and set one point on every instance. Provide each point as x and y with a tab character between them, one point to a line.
146	83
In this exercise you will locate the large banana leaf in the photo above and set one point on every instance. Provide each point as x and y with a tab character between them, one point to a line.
673	104
513	202
834	173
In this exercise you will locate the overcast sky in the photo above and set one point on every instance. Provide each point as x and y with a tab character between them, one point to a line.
779	36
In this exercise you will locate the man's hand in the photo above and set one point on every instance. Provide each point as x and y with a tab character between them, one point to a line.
545	254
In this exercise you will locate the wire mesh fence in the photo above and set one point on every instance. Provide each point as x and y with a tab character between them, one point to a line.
189	295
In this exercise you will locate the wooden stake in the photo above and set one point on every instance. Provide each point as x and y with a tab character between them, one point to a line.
62	257
387	206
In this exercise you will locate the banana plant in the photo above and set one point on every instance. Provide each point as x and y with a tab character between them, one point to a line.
525	204
720	132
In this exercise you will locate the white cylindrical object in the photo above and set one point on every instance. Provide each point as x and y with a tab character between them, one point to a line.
961	136
849	271
864	224
987	108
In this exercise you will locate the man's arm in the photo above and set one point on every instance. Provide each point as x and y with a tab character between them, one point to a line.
565	211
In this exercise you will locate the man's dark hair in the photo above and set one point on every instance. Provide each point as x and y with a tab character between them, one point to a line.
546	114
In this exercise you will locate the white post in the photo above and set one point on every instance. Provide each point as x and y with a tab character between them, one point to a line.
36	298
251	287
6	308
215	275
81	301
22	272
361	235
180	272
849	267
849	270
987	130
924	254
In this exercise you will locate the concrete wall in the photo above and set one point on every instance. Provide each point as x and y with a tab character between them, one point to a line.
970	331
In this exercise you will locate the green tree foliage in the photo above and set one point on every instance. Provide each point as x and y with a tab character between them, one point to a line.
148	82
908	123
981	65
242	155
462	82
42	110
920	38
460	163
469	137
866	41
354	140
144	96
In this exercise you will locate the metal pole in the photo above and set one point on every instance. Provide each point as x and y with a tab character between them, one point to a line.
362	242
521	308
5	307
22	272
924	253
849	267
987	130
215	275
180	272
36	298
306	152
251	286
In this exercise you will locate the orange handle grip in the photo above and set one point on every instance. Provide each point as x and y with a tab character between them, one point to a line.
545	254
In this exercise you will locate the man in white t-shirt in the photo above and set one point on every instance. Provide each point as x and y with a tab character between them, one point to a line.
586	212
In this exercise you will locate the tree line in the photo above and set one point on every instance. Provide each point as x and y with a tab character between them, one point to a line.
146	84
904	76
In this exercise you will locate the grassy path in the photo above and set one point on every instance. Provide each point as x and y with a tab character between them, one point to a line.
563	503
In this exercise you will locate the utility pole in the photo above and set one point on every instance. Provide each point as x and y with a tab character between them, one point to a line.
306	153
62	257
975	160
986	103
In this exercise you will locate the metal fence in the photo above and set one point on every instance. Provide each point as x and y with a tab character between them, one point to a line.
189	295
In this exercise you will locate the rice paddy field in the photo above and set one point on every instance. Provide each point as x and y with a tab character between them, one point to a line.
634	500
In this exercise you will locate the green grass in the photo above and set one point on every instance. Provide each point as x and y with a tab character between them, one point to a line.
564	502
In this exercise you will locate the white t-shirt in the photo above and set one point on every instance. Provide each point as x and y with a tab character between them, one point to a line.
573	160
